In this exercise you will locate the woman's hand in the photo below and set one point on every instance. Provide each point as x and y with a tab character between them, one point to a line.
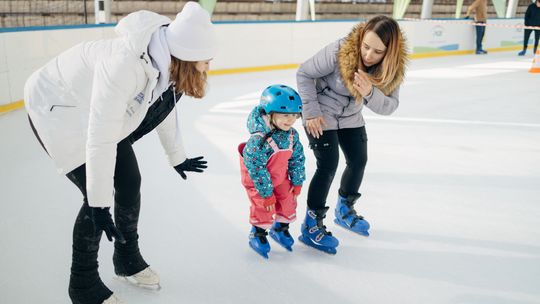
191	164
362	83
102	220
314	126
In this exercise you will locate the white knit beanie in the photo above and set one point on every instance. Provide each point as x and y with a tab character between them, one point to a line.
191	36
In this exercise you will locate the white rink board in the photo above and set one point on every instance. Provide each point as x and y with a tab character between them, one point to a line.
241	44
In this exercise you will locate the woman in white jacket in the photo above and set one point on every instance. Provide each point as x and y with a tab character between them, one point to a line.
88	105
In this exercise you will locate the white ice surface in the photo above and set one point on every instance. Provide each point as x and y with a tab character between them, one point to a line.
452	190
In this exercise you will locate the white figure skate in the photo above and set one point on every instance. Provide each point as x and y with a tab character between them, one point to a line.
147	278
112	300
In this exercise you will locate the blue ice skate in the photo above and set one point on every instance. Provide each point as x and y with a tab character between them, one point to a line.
258	241
314	233
346	216
280	233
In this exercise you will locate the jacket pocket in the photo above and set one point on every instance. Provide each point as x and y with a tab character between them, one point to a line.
60	106
320	145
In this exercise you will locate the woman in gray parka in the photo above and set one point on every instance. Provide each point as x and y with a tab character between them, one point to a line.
365	68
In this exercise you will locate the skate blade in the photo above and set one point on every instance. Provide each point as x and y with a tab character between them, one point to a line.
131	281
263	254
344	226
289	248
307	242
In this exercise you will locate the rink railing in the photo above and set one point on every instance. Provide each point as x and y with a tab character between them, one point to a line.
248	46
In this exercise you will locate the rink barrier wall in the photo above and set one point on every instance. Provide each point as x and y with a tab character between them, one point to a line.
273	45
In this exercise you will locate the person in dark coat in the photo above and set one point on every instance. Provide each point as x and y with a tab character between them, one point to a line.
532	18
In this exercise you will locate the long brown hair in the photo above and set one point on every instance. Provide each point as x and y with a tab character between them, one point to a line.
186	78
388	31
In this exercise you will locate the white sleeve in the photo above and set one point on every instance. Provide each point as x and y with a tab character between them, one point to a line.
114	84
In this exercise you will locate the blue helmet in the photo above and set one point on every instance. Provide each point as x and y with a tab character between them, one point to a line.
280	98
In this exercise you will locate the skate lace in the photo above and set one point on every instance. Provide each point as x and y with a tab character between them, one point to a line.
322	228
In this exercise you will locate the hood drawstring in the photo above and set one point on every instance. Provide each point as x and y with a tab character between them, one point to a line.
142	57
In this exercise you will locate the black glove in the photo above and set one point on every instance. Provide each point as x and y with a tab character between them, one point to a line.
191	164
103	222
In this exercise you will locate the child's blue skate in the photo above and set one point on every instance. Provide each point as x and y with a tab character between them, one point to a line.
314	233
347	218
280	233
258	241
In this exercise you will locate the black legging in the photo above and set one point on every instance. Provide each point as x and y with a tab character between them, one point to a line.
353	143
85	285
527	34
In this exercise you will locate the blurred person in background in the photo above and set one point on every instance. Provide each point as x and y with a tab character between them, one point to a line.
479	8
532	18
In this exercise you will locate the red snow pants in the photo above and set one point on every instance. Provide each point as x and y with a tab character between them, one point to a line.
285	208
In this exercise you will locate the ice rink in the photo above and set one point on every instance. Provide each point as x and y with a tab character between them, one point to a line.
452	191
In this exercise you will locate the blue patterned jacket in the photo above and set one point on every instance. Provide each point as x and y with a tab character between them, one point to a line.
256	153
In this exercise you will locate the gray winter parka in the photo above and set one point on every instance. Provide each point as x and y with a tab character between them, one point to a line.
325	92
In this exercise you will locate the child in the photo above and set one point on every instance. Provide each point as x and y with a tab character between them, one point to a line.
272	167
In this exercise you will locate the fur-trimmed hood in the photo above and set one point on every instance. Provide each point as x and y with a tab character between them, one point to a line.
349	56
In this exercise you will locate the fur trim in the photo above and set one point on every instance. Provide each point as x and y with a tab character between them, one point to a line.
349	56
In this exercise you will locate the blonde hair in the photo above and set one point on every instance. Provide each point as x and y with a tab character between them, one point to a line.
388	31
187	78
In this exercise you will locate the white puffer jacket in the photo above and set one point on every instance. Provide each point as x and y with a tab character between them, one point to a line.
94	95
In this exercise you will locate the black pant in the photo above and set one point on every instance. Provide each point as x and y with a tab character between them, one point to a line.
85	286
480	31
353	143
527	35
